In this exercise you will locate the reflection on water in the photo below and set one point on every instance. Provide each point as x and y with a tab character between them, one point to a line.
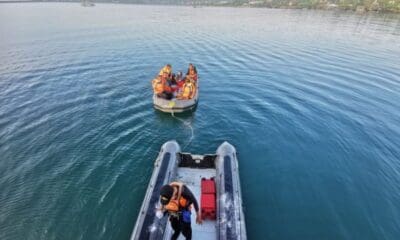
309	98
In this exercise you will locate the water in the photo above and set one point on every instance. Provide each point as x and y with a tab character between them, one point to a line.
309	98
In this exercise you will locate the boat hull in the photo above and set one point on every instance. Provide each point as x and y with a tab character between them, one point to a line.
172	165
174	105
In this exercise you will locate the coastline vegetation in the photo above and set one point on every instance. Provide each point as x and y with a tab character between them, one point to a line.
355	5
352	5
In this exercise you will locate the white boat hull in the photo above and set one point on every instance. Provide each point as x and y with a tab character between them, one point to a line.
172	165
174	105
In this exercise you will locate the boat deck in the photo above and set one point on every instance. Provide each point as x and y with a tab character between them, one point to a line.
192	178
174	165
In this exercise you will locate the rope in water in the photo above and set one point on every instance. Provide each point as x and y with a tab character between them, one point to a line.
187	124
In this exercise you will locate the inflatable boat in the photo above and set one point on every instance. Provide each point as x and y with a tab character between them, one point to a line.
214	181
175	105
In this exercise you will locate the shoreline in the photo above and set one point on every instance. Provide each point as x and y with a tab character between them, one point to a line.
327	7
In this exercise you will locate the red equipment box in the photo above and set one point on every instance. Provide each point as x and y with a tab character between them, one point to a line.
207	186
208	206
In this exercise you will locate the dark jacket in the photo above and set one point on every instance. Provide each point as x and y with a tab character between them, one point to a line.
188	195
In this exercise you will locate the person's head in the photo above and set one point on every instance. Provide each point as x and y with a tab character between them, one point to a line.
191	66
166	193
179	76
169	66
165	74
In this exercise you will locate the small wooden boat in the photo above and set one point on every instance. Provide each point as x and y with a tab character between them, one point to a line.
225	221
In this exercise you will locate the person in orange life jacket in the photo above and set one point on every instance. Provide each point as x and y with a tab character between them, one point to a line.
161	86
167	68
166	74
158	85
188	90
192	73
176	198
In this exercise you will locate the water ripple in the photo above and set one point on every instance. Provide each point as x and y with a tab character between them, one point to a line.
309	98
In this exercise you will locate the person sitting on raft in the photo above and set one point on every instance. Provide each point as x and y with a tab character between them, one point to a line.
161	86
192	73
180	80
167	68
170	79
188	90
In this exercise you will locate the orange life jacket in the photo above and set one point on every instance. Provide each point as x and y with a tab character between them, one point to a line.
165	69
175	206
188	90
158	85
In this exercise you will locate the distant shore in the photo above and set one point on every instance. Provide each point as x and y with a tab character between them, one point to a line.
385	6
17	1
392	6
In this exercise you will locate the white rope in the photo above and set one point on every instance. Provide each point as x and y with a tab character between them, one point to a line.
187	124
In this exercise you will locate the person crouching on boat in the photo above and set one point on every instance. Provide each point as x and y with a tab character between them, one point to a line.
176	198
188	90
161	87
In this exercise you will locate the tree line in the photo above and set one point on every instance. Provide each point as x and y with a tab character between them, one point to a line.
356	5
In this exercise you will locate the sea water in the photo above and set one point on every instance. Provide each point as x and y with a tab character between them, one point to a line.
310	99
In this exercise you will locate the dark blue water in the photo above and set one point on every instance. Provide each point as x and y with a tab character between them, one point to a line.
311	100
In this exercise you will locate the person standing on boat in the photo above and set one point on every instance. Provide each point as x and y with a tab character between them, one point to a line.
177	199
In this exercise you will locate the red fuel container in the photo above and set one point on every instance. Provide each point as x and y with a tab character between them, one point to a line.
208	206
207	186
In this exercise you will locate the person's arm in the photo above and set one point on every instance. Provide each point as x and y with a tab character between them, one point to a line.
180	188
160	211
190	197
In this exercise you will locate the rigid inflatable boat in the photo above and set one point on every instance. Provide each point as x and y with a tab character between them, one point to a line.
212	178
175	105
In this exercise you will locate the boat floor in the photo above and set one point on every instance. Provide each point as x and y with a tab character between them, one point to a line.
192	178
